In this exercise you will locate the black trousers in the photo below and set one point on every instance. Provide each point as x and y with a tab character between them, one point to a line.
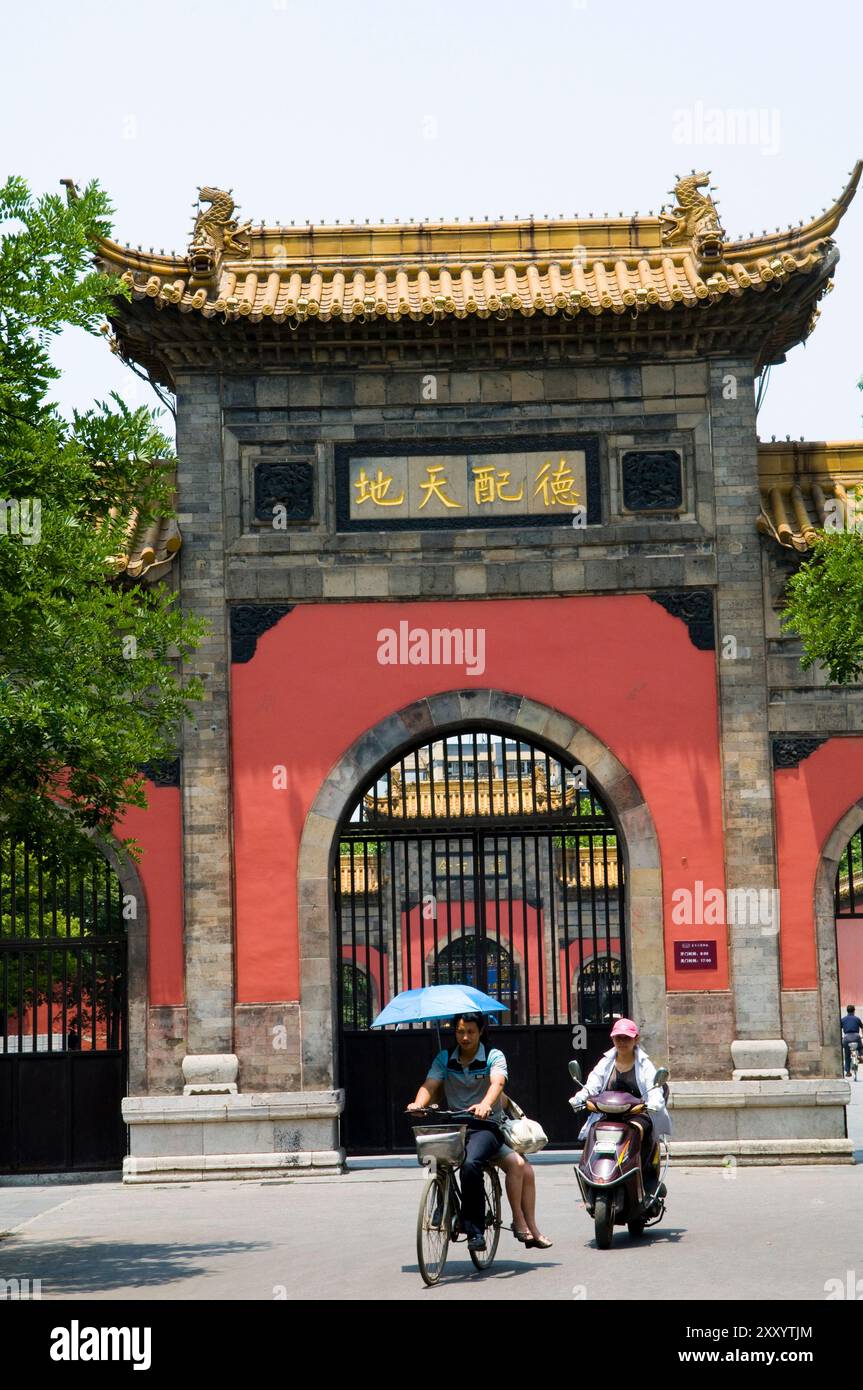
645	1124
480	1148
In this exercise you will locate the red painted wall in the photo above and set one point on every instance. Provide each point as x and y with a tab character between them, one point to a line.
159	832
810	800
621	665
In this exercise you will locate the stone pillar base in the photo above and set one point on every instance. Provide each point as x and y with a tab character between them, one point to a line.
264	1135
759	1059
210	1074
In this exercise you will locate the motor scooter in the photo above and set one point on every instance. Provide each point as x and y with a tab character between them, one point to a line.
616	1189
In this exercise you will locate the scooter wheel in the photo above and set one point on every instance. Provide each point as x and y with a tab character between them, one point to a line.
603	1222
636	1229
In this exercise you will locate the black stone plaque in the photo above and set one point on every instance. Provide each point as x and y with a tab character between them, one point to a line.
652	480
289	484
466	456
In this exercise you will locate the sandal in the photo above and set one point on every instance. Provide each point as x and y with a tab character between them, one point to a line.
523	1236
539	1243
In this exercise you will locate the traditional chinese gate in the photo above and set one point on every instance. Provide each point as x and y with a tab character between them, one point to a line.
62	1011
486	860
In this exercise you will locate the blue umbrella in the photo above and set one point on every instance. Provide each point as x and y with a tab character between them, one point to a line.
433	1002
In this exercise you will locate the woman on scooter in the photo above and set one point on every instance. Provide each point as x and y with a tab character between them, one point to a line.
625	1067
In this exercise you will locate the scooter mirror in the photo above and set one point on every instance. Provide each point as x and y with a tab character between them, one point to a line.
575	1070
661	1076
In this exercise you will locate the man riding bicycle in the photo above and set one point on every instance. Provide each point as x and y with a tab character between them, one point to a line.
472	1078
852	1036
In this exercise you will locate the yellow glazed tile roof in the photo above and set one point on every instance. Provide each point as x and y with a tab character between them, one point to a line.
429	272
148	548
803	485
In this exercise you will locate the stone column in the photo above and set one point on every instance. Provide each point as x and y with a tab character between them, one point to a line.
745	743
205	740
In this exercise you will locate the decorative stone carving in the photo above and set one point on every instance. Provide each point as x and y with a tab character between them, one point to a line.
215	233
211	1073
788	752
695	607
162	774
249	621
652	480
695	218
289	484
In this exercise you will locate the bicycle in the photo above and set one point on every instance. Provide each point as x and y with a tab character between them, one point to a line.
854	1057
442	1146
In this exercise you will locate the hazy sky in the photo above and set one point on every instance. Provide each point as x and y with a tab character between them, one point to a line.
322	110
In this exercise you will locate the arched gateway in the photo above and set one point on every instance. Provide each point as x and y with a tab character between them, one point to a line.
482	857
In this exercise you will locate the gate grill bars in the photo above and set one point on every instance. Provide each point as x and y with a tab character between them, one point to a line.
62	952
849	878
482	859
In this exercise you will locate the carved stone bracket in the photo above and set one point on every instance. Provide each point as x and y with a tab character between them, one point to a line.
695	607
789	751
162	774
248	622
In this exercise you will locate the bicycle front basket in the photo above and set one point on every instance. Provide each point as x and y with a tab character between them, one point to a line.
443	1145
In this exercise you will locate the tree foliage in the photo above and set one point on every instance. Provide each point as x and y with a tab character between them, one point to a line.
825	606
90	683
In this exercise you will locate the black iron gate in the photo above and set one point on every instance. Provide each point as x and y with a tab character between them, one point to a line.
62	1011
485	860
848	889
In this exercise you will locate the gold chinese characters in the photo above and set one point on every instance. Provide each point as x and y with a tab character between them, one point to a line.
473	485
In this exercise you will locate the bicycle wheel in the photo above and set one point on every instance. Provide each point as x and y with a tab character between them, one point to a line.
433	1223
483	1258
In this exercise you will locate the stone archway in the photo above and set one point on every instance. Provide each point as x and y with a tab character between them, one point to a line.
436	715
825	935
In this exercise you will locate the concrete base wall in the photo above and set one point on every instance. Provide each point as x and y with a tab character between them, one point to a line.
720	1112
271	1135
184	1138
746	1153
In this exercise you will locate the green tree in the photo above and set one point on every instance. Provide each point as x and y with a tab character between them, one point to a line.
90	682
824	606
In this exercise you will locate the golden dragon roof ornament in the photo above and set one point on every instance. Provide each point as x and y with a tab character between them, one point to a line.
216	232
695	219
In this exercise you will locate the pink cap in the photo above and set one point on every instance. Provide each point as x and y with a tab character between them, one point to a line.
626	1027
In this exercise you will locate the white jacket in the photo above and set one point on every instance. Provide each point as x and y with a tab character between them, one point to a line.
645	1072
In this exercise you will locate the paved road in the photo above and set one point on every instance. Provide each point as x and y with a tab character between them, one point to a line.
754	1233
